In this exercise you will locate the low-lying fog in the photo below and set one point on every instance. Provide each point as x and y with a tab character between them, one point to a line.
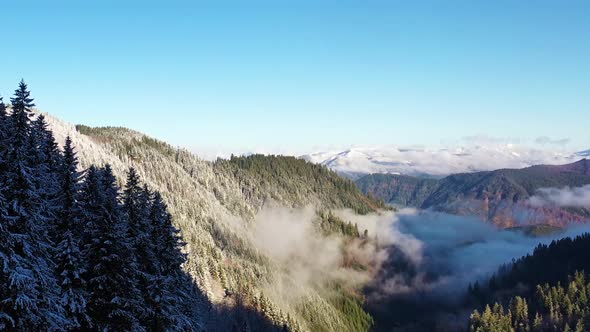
428	279
418	260
449	251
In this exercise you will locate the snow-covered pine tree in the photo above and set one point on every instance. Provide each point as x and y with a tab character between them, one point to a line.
7	241
171	290
135	207
47	144
70	186
3	125
2	107
47	159
30	292
71	266
3	136
113	301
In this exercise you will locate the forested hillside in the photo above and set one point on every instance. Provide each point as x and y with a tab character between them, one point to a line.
295	180
76	252
545	291
215	206
552	308
565	257
498	196
401	190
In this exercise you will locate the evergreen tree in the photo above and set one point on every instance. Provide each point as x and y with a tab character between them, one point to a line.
171	291
3	129
29	296
2	108
135	207
113	301
74	254
70	263
7	254
69	178
4	135
47	145
46	157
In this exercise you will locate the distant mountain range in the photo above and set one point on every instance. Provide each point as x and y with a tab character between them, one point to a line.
358	161
500	196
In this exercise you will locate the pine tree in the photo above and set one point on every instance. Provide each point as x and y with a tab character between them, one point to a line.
69	178
70	263
3	130
171	290
7	252
22	106
135	208
4	135
47	144
47	159
2	108
30	294
113	301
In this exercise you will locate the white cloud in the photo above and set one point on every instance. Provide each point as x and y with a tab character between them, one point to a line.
545	140
440	161
572	197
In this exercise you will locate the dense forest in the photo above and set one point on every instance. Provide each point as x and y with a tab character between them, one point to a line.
206	198
531	290
564	257
552	308
225	283
83	248
76	252
300	179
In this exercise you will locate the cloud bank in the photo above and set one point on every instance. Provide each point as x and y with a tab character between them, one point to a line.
415	259
309	258
563	197
406	252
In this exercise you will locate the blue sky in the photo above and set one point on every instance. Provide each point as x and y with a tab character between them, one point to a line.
299	75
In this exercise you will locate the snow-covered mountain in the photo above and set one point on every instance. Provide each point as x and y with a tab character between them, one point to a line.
227	211
360	160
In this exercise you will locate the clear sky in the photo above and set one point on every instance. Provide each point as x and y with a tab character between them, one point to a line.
298	75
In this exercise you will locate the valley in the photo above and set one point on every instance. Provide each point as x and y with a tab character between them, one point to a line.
295	166
273	242
504	197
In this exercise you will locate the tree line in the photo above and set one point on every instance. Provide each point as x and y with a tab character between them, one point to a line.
554	308
524	285
550	263
77	252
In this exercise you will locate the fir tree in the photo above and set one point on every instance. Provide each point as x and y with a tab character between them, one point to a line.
30	294
170	291
70	263
46	157
4	135
2	108
48	147
113	301
135	207
3	128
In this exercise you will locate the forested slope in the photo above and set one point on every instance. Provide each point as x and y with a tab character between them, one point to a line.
499	196
76	252
544	291
214	204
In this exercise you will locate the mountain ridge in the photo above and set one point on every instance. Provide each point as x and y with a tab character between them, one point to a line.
423	162
499	196
215	205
